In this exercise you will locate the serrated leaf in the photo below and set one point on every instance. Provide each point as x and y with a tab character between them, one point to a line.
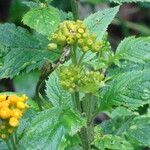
131	89
128	1
122	111
55	92
127	66
135	127
99	21
30	4
17	43
18	60
135	49
48	128
112	142
17	37
43	20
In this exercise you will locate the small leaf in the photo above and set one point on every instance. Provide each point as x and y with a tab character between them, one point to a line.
43	20
99	21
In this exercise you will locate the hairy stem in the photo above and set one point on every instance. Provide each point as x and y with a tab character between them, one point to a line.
74	6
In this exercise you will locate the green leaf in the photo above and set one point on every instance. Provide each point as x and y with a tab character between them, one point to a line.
131	89
43	20
49	127
128	1
122	111
99	21
135	49
18	37
137	128
26	83
112	142
55	92
25	121
127	66
3	145
20	50
18	60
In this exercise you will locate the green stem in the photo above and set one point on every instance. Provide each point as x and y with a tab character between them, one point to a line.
8	145
13	142
74	6
84	139
81	58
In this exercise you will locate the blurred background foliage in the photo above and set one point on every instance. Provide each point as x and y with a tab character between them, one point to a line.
132	19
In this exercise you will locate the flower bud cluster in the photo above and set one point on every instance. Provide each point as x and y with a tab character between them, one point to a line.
75	32
74	78
11	111
92	81
69	77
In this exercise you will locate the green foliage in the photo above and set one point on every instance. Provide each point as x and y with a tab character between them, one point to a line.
68	122
128	1
17	37
112	142
51	125
3	145
19	59
99	21
43	20
135	127
26	83
135	49
21	51
55	93
129	89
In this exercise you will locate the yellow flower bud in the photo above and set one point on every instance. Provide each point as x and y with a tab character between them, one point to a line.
13	99
62	38
78	35
2	127
13	122
85	48
3	97
3	136
80	30
10	131
5	113
89	41
24	97
52	46
70	40
54	36
21	105
4	104
16	113
80	41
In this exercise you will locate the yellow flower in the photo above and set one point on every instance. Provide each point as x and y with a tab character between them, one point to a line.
13	99
21	105
5	113
13	122
16	113
3	97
